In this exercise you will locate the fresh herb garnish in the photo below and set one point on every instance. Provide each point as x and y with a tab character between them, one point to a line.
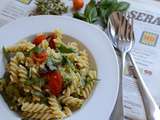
88	80
37	50
64	49
51	64
35	81
64	60
101	10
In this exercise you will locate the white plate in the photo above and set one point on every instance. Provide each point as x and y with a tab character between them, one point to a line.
100	105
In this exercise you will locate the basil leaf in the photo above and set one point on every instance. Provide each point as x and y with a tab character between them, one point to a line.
92	16
105	4
35	81
104	13
114	7
50	64
64	60
37	50
38	81
91	12
28	82
89	6
64	49
123	6
79	16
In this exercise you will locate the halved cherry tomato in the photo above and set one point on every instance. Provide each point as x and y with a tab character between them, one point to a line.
55	82
51	38
78	4
52	44
38	39
52	35
40	57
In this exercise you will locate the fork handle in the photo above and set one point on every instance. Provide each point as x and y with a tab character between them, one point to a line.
151	108
118	112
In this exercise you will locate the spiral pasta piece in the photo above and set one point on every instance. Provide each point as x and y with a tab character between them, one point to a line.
22	73
29	62
38	115
69	90
33	72
73	45
58	35
88	89
37	88
71	102
21	100
75	84
34	107
67	111
20	57
27	89
22	46
36	98
92	75
55	107
73	57
56	56
13	69
83	60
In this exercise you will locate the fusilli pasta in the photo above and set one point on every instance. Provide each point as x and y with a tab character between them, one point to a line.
47	78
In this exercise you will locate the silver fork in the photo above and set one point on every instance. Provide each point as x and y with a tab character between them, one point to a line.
124	43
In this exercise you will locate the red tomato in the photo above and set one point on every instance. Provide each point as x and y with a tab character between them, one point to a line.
78	4
52	44
55	82
40	57
52	35
38	39
51	38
